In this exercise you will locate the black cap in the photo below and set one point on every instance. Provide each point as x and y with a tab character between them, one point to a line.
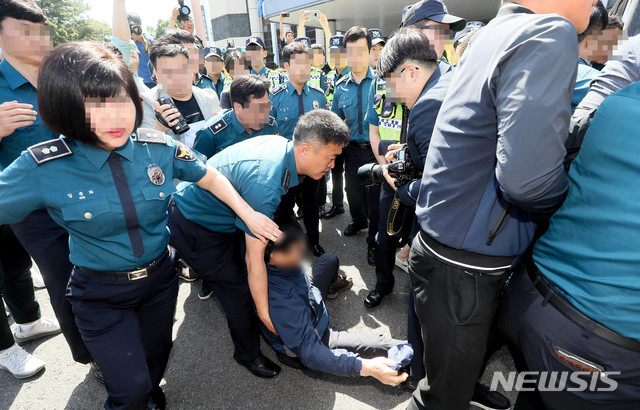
376	36
212	51
471	26
335	43
255	40
304	40
434	10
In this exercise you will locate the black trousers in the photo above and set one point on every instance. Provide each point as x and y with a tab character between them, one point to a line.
308	190
337	180
127	326
48	244
218	260
16	287
533	327
456	309
363	200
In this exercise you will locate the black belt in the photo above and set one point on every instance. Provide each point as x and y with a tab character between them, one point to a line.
363	145
562	305
135	274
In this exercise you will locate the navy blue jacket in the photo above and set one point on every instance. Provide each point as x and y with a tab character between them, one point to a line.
300	317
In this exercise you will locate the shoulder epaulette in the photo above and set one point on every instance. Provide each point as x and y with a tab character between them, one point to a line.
151	136
49	150
343	79
279	88
218	126
272	121
315	87
377	100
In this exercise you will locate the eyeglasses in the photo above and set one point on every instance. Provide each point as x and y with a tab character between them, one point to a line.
438	28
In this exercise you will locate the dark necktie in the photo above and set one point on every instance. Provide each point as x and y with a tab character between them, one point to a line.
130	215
300	105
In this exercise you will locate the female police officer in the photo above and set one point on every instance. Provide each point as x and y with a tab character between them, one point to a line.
110	187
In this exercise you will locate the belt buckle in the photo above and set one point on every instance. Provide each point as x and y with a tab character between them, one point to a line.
137	274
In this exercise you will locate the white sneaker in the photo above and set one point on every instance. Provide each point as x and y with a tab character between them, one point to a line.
19	363
41	328
36	277
404	265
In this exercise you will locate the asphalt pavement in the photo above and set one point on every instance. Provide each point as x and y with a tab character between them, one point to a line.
202	373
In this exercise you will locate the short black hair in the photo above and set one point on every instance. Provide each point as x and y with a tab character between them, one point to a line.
246	87
322	126
166	46
182	36
134	18
354	34
22	10
296	47
74	72
289	32
407	44
316	46
292	233
598	21
615	22
233	57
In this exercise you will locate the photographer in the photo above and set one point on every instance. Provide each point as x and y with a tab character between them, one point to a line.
182	15
121	39
170	60
143	43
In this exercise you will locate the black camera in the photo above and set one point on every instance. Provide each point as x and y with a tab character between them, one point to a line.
402	170
183	10
181	127
135	29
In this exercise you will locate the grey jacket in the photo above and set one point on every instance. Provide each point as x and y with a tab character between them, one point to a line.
207	101
496	154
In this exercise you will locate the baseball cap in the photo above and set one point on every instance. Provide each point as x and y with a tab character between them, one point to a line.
376	36
255	40
212	51
434	10
471	26
304	40
335	42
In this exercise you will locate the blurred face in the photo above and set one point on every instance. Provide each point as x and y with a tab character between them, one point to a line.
291	257
134	61
289	38
255	114
299	68
317	160
256	55
337	59
174	75
24	41
401	84
238	68
196	57
375	54
187	25
358	55
214	65
437	33
111	119
318	58
605	44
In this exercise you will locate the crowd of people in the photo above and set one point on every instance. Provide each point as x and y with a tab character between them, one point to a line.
500	174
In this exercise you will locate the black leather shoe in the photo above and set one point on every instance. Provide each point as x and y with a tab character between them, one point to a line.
156	400
293	362
373	299
334	211
484	398
354	228
318	250
261	367
371	256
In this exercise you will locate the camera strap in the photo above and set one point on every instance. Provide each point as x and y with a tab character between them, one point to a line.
399	218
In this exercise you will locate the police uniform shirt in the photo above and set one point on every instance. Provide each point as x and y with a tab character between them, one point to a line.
586	74
13	86
273	76
204	81
261	169
286	105
74	181
224	130
351	102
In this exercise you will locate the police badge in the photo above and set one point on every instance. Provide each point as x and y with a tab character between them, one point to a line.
155	174
316	104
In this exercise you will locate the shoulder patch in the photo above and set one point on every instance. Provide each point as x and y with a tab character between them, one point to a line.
272	121
151	136
49	150
277	89
218	126
184	153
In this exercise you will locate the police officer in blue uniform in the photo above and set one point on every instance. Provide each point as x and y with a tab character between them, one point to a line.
46	241
249	117
205	231
110	192
256	53
213	63
290	101
350	102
